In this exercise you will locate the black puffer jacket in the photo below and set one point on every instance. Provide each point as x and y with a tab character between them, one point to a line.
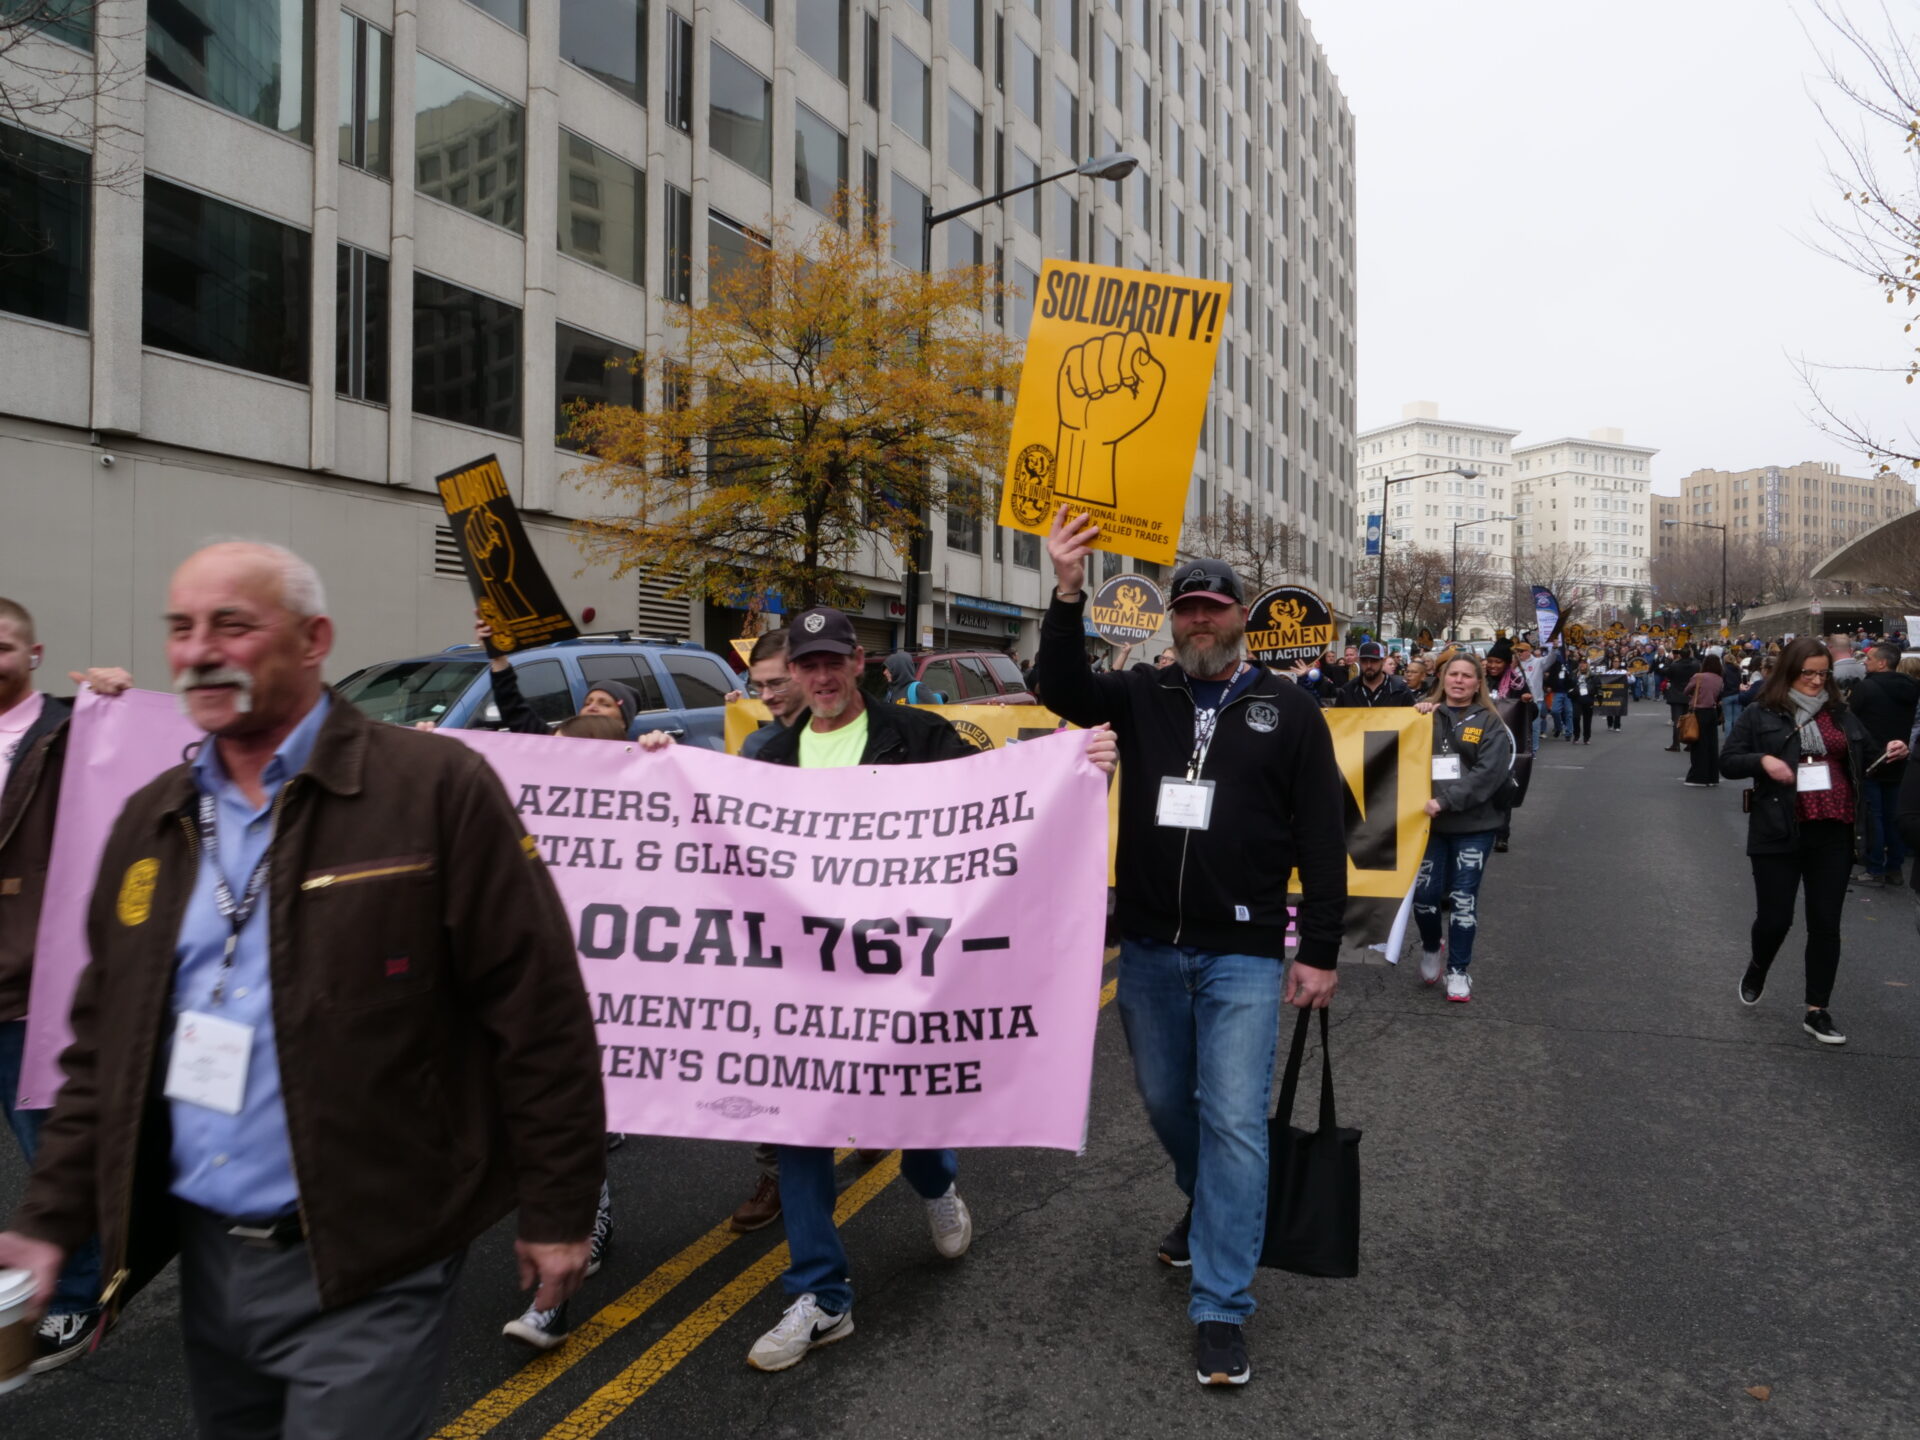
1773	822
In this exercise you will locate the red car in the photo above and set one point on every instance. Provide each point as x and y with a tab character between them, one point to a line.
959	677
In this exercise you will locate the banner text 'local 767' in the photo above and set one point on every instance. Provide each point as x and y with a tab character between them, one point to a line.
1113	389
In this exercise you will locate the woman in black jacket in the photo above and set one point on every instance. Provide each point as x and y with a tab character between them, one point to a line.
1807	755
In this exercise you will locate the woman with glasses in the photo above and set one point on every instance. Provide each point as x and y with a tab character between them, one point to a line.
1808	757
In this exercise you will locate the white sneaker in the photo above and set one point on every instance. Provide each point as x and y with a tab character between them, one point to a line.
1429	967
952	1224
1459	987
542	1329
804	1327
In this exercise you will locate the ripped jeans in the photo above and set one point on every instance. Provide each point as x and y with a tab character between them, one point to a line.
1450	874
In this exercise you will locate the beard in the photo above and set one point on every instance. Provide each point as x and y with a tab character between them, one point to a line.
1204	656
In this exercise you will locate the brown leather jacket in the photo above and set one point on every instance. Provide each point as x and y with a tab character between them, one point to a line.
26	839
437	1055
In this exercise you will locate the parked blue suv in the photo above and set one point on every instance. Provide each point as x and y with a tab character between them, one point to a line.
682	688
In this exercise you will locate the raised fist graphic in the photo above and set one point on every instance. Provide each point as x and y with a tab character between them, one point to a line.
1108	387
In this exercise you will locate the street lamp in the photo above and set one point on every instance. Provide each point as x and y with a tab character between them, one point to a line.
1453	620
1709	525
1465	472
1116	166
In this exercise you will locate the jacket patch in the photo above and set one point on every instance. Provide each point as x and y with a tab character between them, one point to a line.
136	892
1470	735
397	966
971	733
530	847
1262	717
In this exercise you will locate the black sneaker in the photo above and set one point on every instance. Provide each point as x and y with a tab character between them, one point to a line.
1751	984
1499	847
1220	1354
602	1231
1173	1248
1819	1024
63	1338
542	1329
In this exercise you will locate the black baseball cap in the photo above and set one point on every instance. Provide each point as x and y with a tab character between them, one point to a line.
1206	580
820	631
1372	650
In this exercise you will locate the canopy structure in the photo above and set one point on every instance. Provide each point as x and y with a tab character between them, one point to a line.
1887	556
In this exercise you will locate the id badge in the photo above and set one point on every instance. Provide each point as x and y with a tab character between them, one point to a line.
1185	804
209	1065
1446	767
1813	775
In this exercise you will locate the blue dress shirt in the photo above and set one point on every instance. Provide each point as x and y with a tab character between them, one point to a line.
239	1165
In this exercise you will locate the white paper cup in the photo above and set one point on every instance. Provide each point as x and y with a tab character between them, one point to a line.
16	1330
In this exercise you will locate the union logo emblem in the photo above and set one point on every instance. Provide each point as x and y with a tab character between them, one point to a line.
136	892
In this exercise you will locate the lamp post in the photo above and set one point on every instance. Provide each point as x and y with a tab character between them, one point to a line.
1709	525
1116	166
1453	620
1465	472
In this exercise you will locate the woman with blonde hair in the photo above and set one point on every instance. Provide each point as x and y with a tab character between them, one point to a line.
1472	760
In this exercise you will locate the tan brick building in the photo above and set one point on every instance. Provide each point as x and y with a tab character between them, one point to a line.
1810	507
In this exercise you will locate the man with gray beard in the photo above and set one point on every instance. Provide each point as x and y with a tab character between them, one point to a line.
1227	786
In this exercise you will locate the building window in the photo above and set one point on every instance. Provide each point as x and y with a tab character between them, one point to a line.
590	371
466	356
965	30
1066	224
819	164
1110	67
733	250
1027	284
822	25
763	9
1026	550
360	326
366	95
1066	118
963	516
740	113
912	94
251	58
909	211
68	20
965	153
603	209
467	144
45	205
1026	80
1066	26
608	40
678	281
679	73
224	284
507	12
870	60
1026	206
964	246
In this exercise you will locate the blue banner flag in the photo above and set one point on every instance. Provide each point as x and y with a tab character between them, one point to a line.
1374	523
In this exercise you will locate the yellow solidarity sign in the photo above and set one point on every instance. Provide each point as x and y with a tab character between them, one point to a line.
1112	393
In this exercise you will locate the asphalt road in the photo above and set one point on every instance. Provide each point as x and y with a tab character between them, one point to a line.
1602	1199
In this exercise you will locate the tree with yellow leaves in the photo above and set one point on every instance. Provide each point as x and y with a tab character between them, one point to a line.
822	396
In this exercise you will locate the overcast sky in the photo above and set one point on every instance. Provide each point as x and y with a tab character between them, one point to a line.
1583	215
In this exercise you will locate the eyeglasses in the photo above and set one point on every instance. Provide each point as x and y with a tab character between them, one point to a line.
1816	674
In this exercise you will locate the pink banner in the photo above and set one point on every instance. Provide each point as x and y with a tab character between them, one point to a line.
872	957
113	748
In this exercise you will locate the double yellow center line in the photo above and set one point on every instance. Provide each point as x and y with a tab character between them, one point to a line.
612	1399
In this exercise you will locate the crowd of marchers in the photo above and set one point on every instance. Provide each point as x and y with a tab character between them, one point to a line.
222	1108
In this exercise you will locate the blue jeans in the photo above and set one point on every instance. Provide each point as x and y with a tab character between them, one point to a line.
1450	873
1563	714
1730	710
1202	1028
1886	852
819	1263
79	1287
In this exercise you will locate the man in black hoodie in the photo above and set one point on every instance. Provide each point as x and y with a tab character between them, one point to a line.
1227	786
1885	701
1373	687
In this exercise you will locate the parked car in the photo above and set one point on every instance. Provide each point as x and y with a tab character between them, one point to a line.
963	677
682	688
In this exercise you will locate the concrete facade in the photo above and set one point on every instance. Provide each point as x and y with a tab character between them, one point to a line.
1583	508
117	457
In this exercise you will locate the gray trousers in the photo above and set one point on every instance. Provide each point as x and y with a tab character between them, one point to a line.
265	1362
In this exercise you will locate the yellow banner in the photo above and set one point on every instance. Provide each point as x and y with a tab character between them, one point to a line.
1386	764
1112	393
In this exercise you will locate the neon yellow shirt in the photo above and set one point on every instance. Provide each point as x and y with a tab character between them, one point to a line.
834	748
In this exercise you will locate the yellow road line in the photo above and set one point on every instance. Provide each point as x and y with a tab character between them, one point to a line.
500	1402
611	1400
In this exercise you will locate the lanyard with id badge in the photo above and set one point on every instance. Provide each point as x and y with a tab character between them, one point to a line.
1811	776
1446	765
1187	803
210	1053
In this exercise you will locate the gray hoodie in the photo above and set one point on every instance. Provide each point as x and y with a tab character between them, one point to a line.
1473	803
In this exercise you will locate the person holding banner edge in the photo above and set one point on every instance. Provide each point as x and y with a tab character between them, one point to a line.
1229	785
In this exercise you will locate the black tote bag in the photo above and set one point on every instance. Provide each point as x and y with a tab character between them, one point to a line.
1313	1179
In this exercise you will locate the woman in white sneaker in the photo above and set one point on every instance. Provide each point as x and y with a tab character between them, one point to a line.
1807	755
1472	760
